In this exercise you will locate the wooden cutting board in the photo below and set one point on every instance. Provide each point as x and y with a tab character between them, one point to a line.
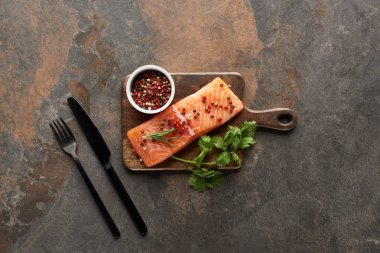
281	119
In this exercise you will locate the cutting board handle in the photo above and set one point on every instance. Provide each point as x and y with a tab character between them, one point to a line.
282	119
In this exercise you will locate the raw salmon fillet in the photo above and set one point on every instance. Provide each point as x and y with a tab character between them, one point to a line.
193	116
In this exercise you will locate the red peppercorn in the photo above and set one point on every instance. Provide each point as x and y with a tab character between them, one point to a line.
212	116
220	119
221	85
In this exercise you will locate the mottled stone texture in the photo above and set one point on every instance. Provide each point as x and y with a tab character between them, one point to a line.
316	189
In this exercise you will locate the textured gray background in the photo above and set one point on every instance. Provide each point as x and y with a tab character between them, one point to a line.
316	189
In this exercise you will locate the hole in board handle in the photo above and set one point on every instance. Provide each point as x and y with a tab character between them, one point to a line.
285	119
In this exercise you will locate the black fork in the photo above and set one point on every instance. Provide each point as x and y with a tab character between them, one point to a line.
68	144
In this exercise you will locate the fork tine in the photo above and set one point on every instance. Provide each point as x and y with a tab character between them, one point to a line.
67	128
57	136
62	127
58	127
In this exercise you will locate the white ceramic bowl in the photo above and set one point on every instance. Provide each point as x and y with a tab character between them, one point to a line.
139	71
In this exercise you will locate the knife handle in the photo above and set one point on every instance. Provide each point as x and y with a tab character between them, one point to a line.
123	194
107	217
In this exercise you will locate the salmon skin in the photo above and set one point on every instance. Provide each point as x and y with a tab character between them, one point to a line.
188	119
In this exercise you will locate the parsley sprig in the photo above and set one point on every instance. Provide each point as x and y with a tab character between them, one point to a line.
235	138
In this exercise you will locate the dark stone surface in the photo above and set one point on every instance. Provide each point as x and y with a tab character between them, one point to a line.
314	190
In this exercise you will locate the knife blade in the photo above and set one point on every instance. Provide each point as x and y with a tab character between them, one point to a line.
103	153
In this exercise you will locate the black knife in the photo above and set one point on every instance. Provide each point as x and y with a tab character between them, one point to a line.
103	153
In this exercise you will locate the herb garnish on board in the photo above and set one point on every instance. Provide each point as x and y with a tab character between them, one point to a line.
235	138
160	136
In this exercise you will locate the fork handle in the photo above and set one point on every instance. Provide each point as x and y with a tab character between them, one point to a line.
111	224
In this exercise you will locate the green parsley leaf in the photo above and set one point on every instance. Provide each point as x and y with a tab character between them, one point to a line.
216	180
223	159
235	158
235	143
248	129
205	143
201	179
197	183
232	136
218	142
246	142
